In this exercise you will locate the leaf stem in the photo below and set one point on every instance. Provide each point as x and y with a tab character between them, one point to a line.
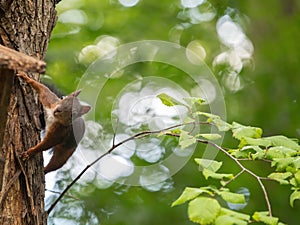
258	178
232	179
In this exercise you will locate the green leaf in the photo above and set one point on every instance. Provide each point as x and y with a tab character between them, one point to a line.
168	100
294	196
203	210
208	115
229	220
210	136
185	140
248	152
189	194
176	131
210	167
280	152
296	162
260	154
221	125
293	182
254	142
283	141
297	176
282	163
232	197
265	218
208	173
216	120
240	131
237	153
208	164
235	214
281	177
193	100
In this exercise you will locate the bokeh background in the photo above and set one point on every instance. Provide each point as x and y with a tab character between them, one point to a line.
252	48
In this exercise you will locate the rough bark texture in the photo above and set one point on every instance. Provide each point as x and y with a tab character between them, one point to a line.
26	27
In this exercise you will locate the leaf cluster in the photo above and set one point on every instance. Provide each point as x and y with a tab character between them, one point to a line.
279	152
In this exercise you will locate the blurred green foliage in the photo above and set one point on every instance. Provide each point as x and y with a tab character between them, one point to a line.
268	96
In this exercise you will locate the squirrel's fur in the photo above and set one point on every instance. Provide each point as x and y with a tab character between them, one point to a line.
64	125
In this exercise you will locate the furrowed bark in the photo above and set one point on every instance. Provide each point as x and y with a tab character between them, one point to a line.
25	26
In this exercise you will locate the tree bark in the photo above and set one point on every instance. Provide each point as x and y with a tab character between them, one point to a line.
26	27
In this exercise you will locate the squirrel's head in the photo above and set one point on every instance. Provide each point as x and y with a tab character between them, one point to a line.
69	108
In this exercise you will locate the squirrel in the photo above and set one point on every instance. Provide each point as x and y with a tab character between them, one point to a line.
64	125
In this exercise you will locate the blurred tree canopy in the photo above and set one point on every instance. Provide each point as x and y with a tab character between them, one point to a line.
262	89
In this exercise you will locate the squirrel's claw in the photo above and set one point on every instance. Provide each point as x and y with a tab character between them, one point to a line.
21	74
25	156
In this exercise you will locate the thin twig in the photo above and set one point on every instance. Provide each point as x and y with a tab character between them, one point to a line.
115	133
58	192
136	136
232	179
258	178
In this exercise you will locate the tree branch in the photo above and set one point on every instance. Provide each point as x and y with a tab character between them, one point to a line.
14	60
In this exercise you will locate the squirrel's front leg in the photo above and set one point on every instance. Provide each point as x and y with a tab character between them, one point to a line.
54	136
47	97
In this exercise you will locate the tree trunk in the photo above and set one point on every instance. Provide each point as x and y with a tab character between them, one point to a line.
26	27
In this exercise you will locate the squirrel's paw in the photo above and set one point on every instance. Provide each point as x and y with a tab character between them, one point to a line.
25	156
22	75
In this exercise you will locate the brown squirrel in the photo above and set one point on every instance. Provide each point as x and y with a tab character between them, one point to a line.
64	125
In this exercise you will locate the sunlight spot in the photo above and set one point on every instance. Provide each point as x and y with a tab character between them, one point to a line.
238	55
89	54
191	3
105	47
229	32
198	15
69	4
183	152
107	43
112	167
57	220
231	58
101	182
73	16
201	13
128	3
232	81
78	161
125	150
92	135
195	52
175	33
142	107
151	151
153	178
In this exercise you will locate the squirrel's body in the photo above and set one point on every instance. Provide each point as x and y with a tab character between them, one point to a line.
64	125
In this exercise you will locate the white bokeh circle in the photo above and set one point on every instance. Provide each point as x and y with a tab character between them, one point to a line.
205	86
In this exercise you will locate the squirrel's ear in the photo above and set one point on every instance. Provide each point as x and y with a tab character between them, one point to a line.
84	109
76	93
